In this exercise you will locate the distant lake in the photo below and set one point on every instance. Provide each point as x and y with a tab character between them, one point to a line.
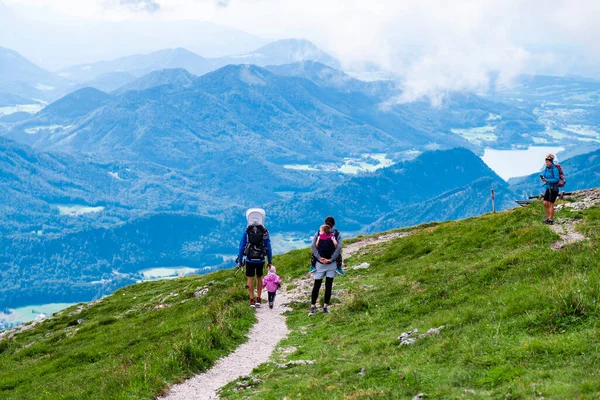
282	243
514	163
353	166
75	210
167	272
25	314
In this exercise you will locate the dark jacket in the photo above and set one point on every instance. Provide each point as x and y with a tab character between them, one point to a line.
338	250
267	244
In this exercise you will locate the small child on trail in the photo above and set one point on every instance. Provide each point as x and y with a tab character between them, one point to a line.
272	282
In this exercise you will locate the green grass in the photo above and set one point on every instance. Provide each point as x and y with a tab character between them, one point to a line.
124	348
519	318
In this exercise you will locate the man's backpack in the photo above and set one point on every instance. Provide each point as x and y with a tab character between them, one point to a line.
562	181
255	249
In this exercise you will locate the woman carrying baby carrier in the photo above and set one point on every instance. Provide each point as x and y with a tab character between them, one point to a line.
327	247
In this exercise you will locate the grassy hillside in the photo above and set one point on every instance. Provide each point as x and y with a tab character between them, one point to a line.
518	319
122	347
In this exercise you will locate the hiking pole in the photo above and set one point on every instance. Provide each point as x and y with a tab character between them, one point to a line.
237	269
240	266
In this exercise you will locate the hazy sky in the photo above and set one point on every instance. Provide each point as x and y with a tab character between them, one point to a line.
435	45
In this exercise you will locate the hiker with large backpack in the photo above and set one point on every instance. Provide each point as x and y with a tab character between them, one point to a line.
553	178
326	266
255	246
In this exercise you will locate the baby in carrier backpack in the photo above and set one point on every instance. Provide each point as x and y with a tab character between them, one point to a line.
325	241
326	245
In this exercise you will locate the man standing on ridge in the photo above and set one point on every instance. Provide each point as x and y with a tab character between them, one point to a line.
254	247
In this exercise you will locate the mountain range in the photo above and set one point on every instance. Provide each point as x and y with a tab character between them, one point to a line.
201	131
241	109
284	51
23	82
35	185
57	41
522	122
113	244
169	149
401	195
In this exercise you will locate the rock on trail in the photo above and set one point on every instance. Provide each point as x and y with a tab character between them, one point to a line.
566	230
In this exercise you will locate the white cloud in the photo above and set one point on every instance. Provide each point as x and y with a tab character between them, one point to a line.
222	3
435	45
149	6
438	46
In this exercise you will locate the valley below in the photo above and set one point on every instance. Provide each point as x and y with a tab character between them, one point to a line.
123	177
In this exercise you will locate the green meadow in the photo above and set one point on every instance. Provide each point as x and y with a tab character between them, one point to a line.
519	321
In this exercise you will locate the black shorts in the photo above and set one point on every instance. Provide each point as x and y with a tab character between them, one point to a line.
550	195
254	269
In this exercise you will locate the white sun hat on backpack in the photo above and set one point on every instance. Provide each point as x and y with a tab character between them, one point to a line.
255	216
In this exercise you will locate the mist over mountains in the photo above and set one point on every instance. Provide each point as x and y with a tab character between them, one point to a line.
57	42
280	52
26	82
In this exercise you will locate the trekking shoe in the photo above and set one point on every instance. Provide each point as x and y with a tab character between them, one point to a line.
252	303
550	222
312	311
325	310
271	305
312	269
258	302
340	271
546	221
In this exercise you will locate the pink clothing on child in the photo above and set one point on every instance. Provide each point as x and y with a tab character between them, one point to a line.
272	281
325	236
